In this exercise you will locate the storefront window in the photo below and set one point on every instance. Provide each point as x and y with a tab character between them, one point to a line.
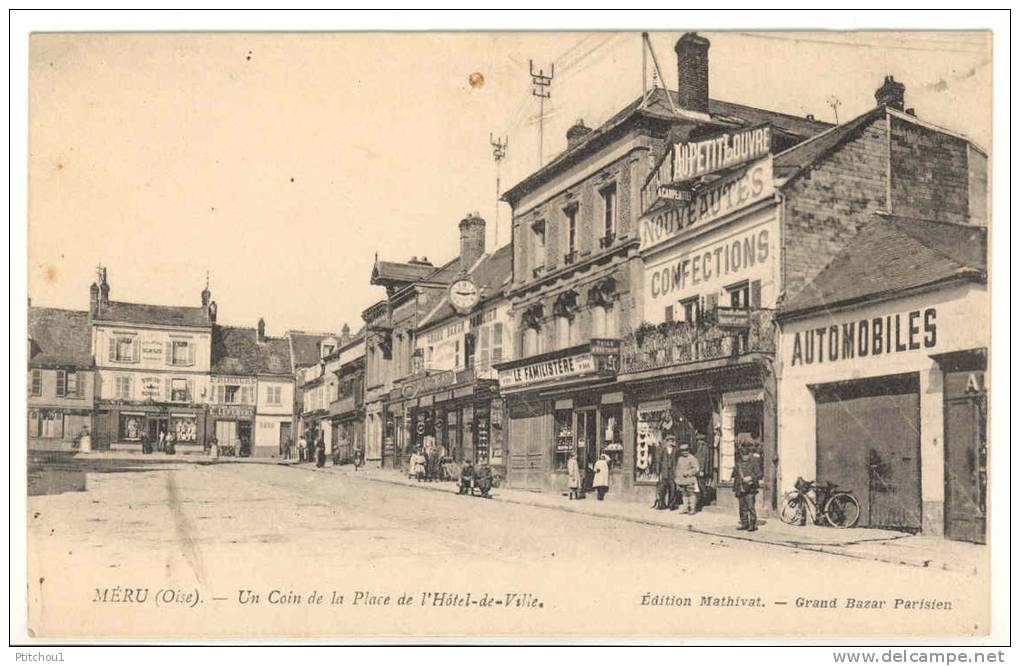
184	428
564	425
47	423
651	419
482	433
131	427
612	434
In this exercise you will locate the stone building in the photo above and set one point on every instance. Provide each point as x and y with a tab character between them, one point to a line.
61	377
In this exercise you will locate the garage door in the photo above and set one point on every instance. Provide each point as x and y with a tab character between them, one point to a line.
869	442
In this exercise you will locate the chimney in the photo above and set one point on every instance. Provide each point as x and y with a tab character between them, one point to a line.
104	288
692	72
94	299
577	132
212	311
206	296
891	93
262	329
472	240
345	334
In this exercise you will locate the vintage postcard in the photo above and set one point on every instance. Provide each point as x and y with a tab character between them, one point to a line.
452	335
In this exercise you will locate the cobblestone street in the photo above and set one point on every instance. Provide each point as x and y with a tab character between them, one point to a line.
229	532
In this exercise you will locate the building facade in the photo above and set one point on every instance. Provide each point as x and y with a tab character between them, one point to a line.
61	378
152	371
347	407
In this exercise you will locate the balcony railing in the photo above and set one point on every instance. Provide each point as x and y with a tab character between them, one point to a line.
720	334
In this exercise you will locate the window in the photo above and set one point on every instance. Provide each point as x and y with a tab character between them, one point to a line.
274	395
456	353
131	427
571	254
689	308
469	351
530	342
46	423
497	343
179	390
739	295
564	425
538	245
563	332
230	393
612	434
608	214
72	384
122	387
603	322
180	352
122	350
36	382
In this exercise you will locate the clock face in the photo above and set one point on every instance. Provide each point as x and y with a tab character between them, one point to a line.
463	294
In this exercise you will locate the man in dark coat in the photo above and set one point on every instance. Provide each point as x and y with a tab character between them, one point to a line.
747	474
467	478
665	489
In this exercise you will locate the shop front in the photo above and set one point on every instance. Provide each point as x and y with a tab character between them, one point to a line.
127	425
454	412
560	404
232	426
709	383
888	399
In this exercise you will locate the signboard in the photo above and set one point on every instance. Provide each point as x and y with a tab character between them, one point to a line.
599	357
873	336
231	411
233	380
412	387
150	388
152	350
695	159
712	202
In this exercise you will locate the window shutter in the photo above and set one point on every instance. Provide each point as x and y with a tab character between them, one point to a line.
61	383
169	388
221	393
58	426
669	313
135	350
33	423
191	353
711	302
113	348
756	294
246	395
169	346
191	391
127	385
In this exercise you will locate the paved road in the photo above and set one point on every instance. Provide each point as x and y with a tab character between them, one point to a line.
231	533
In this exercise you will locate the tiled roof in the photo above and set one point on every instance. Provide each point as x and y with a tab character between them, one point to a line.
491	273
59	338
305	347
237	351
792	161
658	106
892	254
391	271
142	313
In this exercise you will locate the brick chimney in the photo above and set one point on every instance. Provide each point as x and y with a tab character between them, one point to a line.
94	299
891	93
262	329
104	288
692	72
345	334
472	240
577	132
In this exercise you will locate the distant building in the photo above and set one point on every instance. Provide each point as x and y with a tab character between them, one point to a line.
61	377
153	367
347	395
306	352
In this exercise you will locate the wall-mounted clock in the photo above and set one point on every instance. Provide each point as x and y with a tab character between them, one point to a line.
463	295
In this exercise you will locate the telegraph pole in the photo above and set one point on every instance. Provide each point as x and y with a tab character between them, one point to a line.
540	84
498	153
834	102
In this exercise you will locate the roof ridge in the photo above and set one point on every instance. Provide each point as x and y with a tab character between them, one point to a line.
902	227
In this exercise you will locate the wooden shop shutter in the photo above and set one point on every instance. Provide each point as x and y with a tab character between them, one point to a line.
756	294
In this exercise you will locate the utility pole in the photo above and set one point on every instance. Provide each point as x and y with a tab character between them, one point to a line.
540	84
498	153
834	102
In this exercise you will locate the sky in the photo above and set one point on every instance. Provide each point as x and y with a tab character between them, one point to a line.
282	163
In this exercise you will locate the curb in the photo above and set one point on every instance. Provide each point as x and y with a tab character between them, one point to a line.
840	551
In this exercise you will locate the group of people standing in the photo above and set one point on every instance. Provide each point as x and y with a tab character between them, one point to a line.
426	463
165	442
592	477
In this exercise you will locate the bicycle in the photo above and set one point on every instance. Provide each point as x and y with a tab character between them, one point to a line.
839	507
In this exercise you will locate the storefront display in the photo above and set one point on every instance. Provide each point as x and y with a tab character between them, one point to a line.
611	418
652	417
184	428
131	427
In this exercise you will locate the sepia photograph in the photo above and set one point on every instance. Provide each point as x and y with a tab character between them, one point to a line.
375	336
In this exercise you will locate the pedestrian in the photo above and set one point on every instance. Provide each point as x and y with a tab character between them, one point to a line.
302	448
483	478
160	441
169	444
601	480
746	477
574	477
418	465
665	488
236	448
286	448
359	457
214	448
320	450
467	478
146	445
686	477
85	440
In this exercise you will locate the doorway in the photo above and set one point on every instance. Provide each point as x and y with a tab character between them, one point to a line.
244	432
587	448
158	426
226	432
966	451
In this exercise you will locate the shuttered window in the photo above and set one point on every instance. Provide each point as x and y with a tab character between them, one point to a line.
123	387
497	342
124	349
36	382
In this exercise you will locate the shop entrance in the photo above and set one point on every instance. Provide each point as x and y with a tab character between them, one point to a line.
226	432
587	452
966	455
158	425
527	437
869	442
244	432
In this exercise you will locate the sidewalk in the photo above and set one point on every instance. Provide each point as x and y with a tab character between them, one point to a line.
867	544
197	458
